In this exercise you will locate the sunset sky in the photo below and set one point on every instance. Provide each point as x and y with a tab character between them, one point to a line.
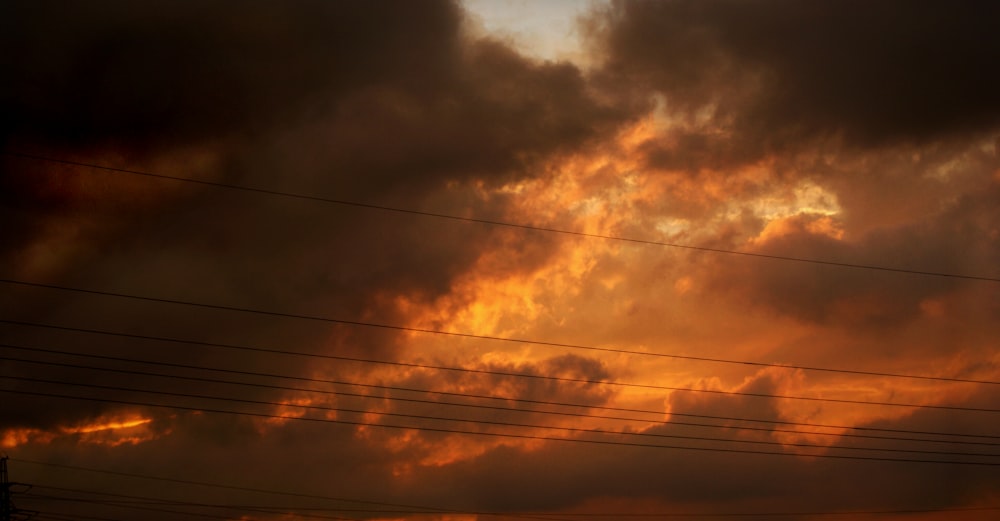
499	260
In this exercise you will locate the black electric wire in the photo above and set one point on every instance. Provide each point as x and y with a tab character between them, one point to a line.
492	222
432	402
301	495
483	371
487	337
693	390
478	433
494	422
431	510
357	323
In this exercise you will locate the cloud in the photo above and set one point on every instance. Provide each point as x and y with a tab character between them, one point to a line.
693	480
391	104
778	73
948	242
185	70
841	132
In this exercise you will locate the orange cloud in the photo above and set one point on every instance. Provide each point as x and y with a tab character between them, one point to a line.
112	430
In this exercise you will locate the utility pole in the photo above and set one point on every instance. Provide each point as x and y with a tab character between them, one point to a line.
8	512
6	509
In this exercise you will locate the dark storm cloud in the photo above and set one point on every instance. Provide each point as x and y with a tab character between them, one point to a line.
769	382
555	476
541	388
161	70
393	103
493	117
956	240
387	89
377	102
520	406
565	474
779	72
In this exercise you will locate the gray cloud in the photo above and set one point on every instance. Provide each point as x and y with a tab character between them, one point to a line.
884	106
388	104
950	241
781	72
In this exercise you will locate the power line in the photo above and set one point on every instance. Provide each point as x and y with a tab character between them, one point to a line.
297	510
713	391
59	516
663	244
484	371
428	510
468	335
190	504
453	394
504	223
459	431
490	422
487	422
421	509
149	509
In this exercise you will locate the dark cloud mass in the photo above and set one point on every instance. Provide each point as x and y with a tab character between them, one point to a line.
783	71
165	71
854	133
382	102
889	106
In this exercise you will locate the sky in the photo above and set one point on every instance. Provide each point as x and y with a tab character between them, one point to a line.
432	261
